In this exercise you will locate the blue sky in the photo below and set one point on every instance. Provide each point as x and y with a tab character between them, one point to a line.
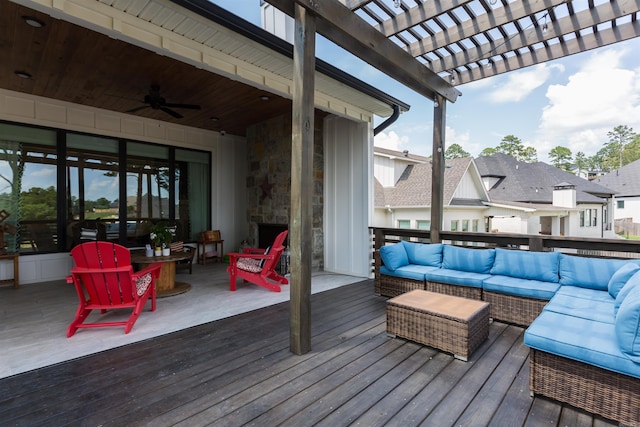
572	102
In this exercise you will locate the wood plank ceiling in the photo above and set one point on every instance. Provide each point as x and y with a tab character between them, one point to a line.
467	40
71	63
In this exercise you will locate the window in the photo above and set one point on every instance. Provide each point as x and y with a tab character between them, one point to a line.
404	223
454	225
423	224
589	218
474	225
620	204
120	199
465	225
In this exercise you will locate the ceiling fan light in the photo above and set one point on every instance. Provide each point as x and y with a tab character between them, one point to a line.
33	21
22	74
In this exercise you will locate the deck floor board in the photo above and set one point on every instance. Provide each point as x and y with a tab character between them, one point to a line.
239	370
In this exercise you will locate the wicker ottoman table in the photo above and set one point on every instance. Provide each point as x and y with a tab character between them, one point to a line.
451	324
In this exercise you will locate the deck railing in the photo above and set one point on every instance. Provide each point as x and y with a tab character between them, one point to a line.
593	247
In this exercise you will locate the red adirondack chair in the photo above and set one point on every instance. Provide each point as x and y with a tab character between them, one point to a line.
257	266
104	280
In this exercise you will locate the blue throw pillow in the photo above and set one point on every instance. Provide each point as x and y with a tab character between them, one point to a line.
429	254
621	276
465	259
633	282
394	256
542	266
628	325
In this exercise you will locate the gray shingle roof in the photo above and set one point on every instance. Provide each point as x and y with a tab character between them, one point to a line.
534	182
414	185
625	181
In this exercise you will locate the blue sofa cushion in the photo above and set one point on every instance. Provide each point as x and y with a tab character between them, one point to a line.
621	276
520	287
597	309
424	254
593	273
465	259
411	271
585	293
632	283
457	277
580	339
394	256
541	266
628	325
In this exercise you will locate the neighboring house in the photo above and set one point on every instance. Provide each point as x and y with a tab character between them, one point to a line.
626	183
403	192
537	198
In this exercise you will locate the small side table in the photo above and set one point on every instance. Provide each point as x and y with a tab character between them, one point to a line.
16	270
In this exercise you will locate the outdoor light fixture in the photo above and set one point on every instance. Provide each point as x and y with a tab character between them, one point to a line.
435	103
34	22
214	119
265	98
452	78
396	3
22	74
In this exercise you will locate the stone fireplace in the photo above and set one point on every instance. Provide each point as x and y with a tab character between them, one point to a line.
269	182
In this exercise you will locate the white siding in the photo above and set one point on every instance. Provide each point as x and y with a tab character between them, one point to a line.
347	196
631	208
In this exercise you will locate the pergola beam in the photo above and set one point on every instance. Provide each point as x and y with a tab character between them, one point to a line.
343	27
548	53
417	15
606	12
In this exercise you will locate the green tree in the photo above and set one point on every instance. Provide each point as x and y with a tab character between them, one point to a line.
102	203
513	146
455	151
39	204
631	151
561	158
581	162
489	151
619	137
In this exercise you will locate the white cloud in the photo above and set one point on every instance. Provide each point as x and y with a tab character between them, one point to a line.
521	84
600	96
390	141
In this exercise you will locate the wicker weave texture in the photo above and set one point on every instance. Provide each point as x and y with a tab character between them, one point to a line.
451	335
599	391
391	286
455	290
511	309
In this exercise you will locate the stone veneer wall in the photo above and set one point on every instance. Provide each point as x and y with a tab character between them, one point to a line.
269	179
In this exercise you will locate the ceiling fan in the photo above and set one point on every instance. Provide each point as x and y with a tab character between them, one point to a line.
157	102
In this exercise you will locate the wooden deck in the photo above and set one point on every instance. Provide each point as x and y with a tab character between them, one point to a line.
239	371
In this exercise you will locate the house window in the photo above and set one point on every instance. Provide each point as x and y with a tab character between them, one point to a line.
423	224
454	225
56	180
404	223
465	225
474	225
620	204
589	218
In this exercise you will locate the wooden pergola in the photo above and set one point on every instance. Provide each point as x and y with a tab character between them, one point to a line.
430	47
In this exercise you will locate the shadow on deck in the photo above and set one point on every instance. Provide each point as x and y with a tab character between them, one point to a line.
239	370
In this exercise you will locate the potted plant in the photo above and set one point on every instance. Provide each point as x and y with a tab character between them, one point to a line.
160	238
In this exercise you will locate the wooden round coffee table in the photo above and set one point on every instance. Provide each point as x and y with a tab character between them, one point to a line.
166	284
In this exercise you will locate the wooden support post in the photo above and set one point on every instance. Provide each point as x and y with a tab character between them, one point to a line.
437	168
300	228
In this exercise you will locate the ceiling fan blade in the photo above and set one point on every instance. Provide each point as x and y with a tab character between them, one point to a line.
189	106
171	112
133	110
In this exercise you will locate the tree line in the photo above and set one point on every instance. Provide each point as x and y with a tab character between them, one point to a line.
622	148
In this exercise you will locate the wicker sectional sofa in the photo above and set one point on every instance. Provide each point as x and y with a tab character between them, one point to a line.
582	314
